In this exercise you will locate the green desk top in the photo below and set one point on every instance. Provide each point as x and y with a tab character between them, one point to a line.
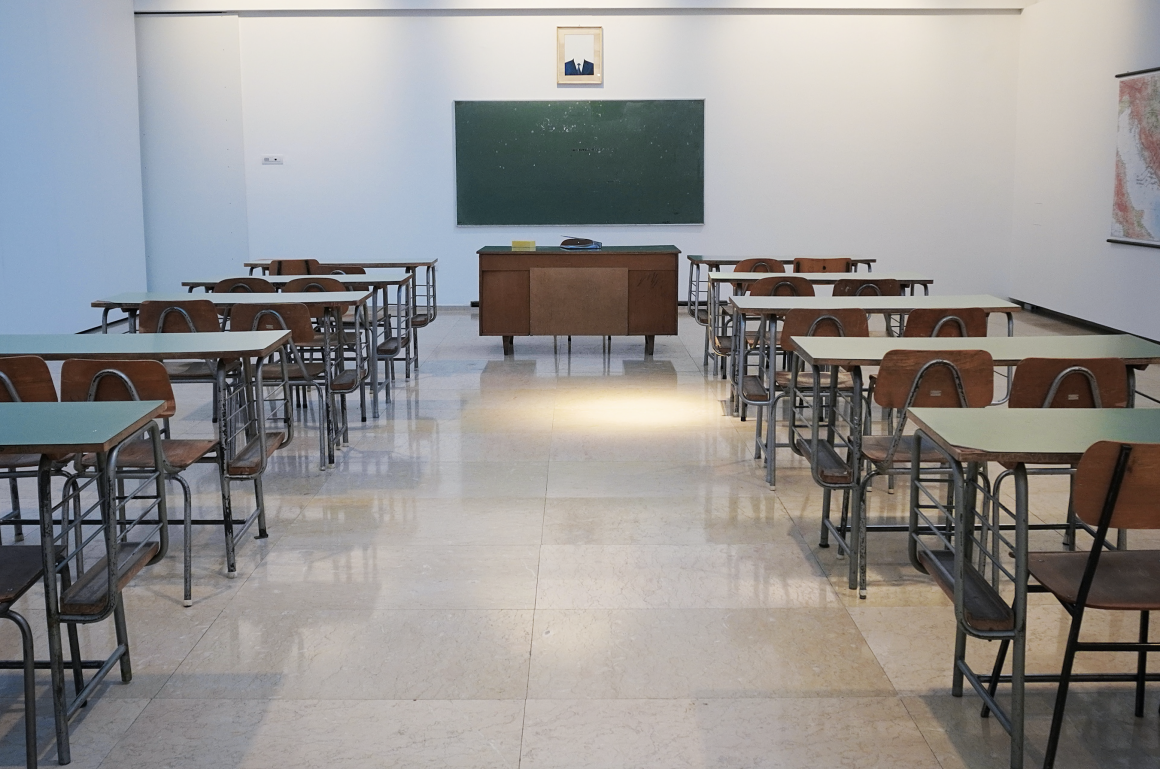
400	264
376	278
133	299
728	260
1006	350
1047	436
602	250
780	305
47	428
136	346
823	278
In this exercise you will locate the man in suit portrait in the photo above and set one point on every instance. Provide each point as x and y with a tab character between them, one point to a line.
580	53
578	66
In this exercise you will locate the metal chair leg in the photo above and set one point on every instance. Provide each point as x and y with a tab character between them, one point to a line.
1061	693
993	686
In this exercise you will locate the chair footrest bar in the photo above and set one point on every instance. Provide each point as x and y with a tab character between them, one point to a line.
47	665
85	694
980	688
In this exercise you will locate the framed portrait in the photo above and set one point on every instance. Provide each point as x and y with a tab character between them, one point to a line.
579	55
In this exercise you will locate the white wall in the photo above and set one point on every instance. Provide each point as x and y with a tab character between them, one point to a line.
70	162
889	136
1070	51
191	144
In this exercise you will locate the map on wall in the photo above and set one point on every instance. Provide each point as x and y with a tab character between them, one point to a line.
1136	205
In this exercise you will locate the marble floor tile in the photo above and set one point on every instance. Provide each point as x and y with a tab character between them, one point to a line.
680	577
318	654
691	653
304	734
876	733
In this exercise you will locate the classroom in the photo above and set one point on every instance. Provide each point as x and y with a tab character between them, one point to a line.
611	384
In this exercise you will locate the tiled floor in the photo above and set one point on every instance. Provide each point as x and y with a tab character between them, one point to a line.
555	561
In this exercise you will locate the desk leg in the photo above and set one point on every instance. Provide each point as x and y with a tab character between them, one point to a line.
858	528
509	346
373	358
650	341
52	610
1019	607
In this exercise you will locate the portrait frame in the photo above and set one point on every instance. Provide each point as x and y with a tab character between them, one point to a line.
567	52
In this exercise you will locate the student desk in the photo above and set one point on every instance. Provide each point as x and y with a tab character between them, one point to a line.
379	281
423	292
611	291
967	439
854	353
100	429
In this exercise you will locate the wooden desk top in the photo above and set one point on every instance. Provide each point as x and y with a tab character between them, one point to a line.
403	264
821	278
377	278
541	250
48	428
133	299
151	346
780	305
1006	350
723	261
1047	436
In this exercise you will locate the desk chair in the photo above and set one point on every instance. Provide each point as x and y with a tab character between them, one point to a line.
1116	486
291	364
106	380
250	285
769	386
347	347
823	264
919	378
22	378
1076	383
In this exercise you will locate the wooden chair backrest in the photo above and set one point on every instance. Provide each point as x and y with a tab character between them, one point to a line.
924	322
759	264
148	378
1034	378
844	322
294	267
902	369
249	285
29	378
1138	503
294	318
867	287
823	264
170	317
313	283
346	270
782	285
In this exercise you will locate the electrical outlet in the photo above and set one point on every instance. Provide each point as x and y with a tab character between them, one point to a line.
273	160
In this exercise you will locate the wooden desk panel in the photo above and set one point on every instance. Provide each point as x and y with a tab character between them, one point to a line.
616	291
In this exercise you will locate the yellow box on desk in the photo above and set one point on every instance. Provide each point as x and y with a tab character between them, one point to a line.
523	245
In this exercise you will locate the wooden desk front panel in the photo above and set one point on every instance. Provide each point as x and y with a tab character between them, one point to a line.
598	294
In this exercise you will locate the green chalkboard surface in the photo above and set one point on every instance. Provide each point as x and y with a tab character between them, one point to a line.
580	162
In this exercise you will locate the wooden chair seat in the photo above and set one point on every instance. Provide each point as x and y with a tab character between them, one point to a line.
249	460
390	346
983	608
272	372
753	390
21	567
180	453
703	317
346	381
89	596
420	319
806	380
831	467
1126	580
876	447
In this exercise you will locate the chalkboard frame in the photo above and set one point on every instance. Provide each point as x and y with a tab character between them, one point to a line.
580	162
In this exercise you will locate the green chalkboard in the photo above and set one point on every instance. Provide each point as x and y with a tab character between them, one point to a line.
580	162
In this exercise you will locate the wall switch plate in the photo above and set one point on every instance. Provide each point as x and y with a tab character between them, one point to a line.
273	160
